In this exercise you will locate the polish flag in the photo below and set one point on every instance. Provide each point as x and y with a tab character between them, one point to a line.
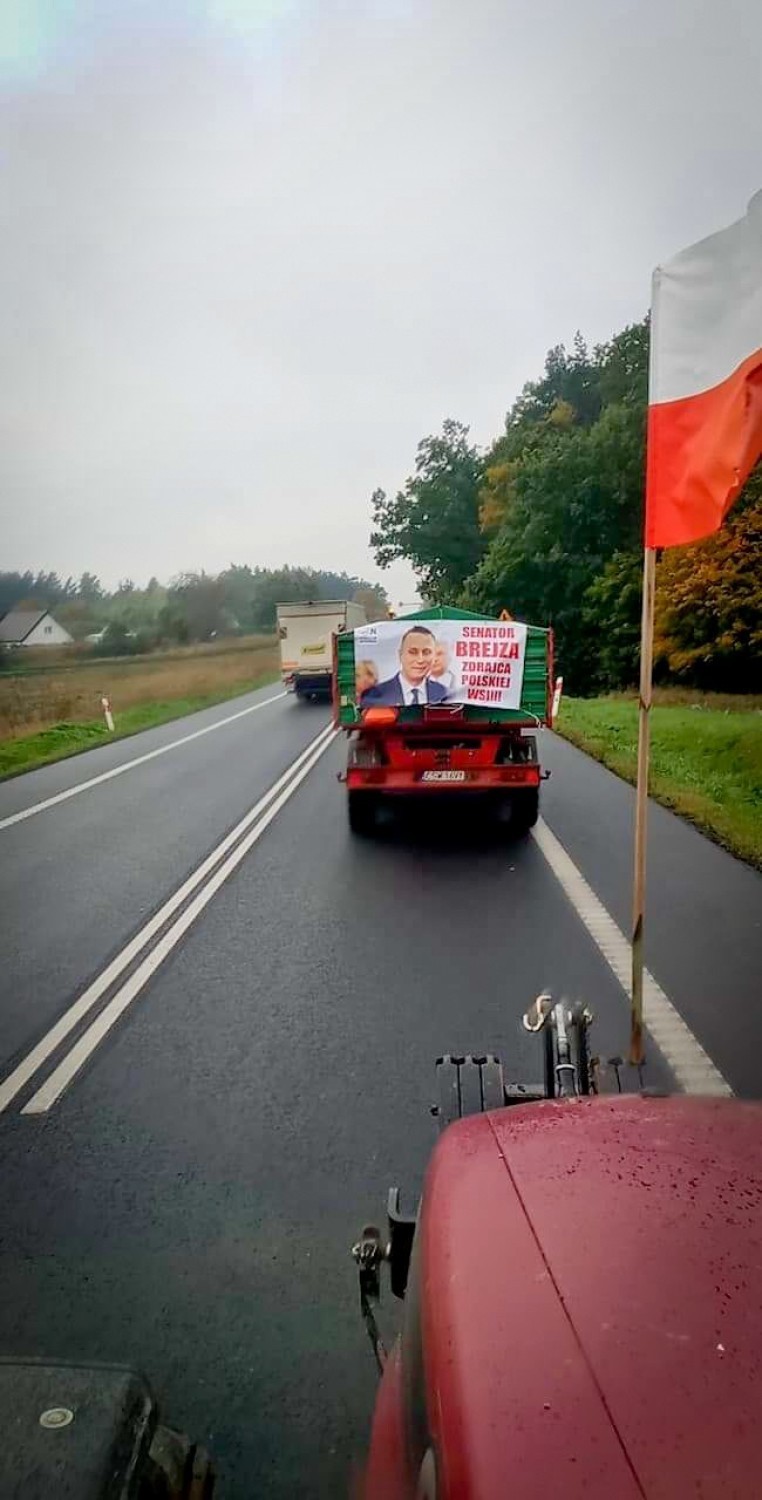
705	382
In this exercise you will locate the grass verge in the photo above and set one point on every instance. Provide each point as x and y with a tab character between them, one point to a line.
60	741
706	759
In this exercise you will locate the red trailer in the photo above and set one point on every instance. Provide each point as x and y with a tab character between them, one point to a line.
413	732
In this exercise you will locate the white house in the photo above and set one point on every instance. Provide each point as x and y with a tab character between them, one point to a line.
32	627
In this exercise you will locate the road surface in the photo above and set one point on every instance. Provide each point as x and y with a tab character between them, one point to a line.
220	1016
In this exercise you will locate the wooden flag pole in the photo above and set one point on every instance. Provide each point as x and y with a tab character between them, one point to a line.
641	803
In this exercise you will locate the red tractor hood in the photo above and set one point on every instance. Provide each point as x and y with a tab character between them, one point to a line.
592	1300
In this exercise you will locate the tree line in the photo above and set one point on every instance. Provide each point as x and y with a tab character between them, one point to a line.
548	523
193	607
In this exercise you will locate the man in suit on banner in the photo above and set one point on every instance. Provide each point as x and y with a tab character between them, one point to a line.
410	687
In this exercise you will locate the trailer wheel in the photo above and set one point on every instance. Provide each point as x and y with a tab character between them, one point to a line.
526	810
361	809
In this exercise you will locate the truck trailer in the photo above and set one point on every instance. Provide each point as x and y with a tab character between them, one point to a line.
305	633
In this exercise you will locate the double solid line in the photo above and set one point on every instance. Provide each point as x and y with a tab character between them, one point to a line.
68	1045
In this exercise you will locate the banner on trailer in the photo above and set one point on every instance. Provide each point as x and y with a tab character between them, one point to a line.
405	663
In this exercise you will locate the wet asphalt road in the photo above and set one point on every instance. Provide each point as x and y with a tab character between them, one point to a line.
189	1203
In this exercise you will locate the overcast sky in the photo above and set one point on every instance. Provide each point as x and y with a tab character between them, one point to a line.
252	250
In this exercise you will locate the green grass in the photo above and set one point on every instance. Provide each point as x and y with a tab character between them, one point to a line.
706	759
63	740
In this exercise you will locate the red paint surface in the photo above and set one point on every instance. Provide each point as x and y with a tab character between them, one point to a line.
592	1318
650	1217
495	778
510	1390
386	1476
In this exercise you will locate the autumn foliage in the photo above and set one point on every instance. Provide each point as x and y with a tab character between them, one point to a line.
708	627
548	522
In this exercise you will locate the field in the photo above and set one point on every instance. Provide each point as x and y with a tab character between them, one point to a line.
706	750
46	714
706	757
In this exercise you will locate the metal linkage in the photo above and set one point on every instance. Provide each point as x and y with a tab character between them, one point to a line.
369	1255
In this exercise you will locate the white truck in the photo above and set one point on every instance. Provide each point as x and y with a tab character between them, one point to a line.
306	632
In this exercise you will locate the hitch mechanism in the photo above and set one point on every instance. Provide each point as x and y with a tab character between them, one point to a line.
369	1255
569	1069
473	1084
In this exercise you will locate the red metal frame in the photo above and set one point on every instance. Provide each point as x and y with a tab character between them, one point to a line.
398	757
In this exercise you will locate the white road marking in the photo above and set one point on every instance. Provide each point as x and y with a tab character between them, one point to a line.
67	1069
693	1068
29	1065
59	1080
130	765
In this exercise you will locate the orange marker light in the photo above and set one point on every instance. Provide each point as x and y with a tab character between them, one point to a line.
376	718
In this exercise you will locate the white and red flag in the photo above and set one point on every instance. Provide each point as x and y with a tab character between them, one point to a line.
705	382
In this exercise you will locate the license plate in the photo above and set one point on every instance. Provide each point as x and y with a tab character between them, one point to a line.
443	776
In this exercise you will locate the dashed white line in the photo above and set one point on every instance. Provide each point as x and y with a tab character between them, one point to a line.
130	765
34	1060
693	1068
